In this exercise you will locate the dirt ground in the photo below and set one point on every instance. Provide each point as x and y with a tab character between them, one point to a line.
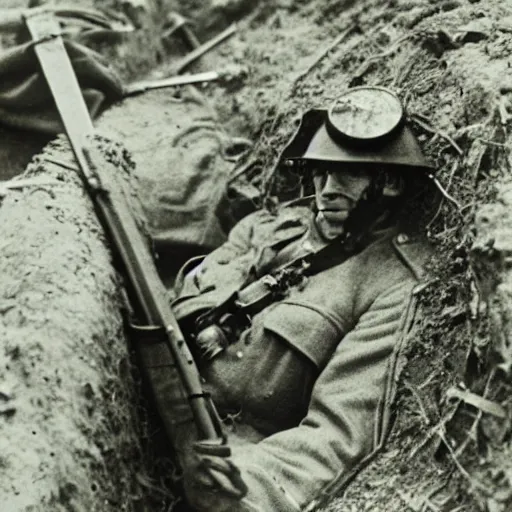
451	63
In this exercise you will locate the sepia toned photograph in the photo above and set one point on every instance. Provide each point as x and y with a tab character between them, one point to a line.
255	256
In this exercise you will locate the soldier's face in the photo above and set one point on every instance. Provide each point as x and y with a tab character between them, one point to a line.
336	194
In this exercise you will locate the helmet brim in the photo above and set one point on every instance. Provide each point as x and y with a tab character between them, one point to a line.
403	151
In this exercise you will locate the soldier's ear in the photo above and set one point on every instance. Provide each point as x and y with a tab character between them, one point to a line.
394	185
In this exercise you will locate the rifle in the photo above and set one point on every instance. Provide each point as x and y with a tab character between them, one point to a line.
147	294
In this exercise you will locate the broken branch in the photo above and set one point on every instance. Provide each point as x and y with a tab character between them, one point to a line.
423	123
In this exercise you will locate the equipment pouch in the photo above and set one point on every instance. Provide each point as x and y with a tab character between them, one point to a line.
258	295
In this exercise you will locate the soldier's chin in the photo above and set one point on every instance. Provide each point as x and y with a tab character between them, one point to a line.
332	226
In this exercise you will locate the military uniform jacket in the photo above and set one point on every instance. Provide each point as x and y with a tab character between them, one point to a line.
314	372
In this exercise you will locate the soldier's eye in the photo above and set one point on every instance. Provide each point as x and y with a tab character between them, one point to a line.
295	173
319	173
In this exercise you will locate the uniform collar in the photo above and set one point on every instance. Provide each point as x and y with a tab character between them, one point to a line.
379	232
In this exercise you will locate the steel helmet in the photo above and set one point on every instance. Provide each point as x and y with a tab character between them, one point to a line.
364	125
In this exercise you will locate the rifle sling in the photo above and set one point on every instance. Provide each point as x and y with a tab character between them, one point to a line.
330	255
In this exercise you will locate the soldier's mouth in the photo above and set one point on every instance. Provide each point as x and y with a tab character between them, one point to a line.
334	215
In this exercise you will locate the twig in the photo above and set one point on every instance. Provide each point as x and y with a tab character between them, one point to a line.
491	143
174	502
475	155
403	73
504	115
416	395
445	194
426	126
440	425
445	233
441	432
408	500
423	502
363	68
61	163
435	216
432	496
35	183
472	433
340	38
428	380
454	168
182	64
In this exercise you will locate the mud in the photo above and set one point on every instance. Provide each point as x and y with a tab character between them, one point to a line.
449	61
183	158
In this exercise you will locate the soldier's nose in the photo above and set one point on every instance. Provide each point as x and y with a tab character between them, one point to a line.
332	188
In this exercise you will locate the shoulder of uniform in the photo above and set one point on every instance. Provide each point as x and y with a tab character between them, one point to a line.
264	226
414	252
284	211
283	215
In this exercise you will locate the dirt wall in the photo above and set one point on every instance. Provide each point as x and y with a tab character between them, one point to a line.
69	428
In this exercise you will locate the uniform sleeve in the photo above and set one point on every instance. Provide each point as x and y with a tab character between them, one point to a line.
230	267
209	283
343	425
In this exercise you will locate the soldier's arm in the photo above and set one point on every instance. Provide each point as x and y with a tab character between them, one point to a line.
230	267
344	423
219	273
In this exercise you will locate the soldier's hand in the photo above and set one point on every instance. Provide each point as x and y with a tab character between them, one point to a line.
210	479
222	475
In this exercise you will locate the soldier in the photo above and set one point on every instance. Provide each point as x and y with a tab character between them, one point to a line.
296	321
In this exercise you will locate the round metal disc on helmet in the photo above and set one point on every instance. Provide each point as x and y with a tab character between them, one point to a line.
365	114
366	125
